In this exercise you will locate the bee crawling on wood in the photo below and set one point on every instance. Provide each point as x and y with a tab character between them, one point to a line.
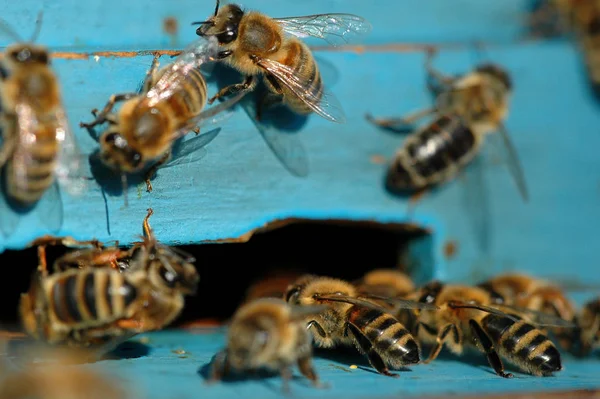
38	150
466	109
268	333
108	295
260	46
141	134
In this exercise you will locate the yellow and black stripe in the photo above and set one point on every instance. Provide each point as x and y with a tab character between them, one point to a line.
90	297
302	62
190	99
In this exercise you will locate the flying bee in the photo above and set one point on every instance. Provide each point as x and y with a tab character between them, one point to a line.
527	292
268	333
353	321
171	104
257	45
466	109
99	307
588	331
467	316
38	151
56	380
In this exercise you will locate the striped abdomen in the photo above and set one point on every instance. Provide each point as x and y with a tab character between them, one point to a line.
390	339
30	171
432	155
299	58
189	99
87	298
522	344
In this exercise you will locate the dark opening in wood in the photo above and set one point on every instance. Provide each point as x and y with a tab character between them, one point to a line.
337	248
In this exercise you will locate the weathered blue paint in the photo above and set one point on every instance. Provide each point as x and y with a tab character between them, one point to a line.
240	186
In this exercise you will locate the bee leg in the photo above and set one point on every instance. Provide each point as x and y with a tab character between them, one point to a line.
152	171
366	347
439	341
101	117
488	347
149	79
436	80
248	84
306	368
286	375
219	368
400	125
314	324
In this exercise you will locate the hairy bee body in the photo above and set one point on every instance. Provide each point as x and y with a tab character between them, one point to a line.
433	155
30	98
496	334
267	333
534	294
371	329
65	303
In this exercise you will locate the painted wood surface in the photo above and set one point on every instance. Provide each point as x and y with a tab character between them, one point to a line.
239	185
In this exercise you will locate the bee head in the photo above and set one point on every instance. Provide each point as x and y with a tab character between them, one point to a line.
429	292
116	153
496	72
27	54
171	269
223	24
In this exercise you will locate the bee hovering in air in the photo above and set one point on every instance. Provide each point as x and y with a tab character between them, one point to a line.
171	104
467	316
38	150
353	321
257	45
97	306
466	109
587	336
527	292
267	333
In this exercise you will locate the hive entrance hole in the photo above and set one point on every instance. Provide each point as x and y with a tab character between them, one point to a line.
337	248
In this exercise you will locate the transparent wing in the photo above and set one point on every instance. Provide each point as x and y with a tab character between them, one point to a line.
287	148
477	203
49	209
401	303
192	57
514	164
69	168
473	305
335	29
300	312
539	318
349	300
211	116
325	105
192	150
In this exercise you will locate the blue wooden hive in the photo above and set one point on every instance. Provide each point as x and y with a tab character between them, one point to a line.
102	47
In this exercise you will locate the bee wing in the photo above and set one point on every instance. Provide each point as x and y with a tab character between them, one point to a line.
483	308
514	164
193	56
327	105
49	209
287	148
335	29
402	303
540	318
192	150
69	166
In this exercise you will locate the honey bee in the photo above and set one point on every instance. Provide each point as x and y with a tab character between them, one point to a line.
353	321
56	380
258	45
588	322
38	151
171	104
527	292
99	307
466	109
267	333
468	317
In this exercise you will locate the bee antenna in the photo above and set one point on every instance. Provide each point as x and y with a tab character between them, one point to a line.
480	52
217	7
38	27
200	23
4	26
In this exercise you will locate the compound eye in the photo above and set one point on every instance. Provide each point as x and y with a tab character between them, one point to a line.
111	137
168	277
292	295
